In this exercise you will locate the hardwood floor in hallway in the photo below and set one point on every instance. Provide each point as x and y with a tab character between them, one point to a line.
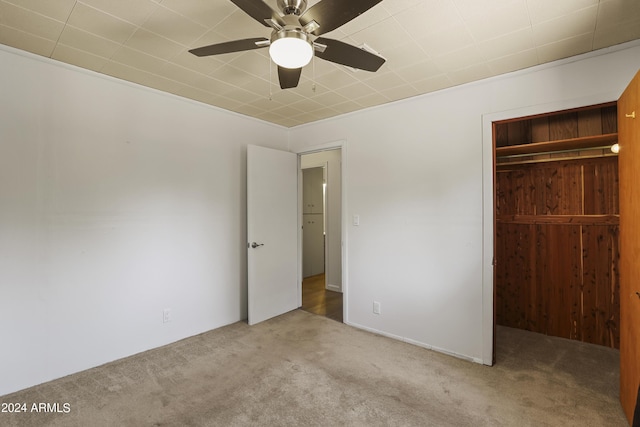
318	300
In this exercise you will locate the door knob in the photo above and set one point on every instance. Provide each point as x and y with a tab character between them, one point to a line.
631	116
255	245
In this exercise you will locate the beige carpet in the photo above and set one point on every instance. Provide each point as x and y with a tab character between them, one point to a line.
306	370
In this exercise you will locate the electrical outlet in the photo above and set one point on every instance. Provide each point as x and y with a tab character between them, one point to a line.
166	315
376	307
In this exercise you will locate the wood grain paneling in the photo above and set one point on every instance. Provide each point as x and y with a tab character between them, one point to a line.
601	189
589	123
600	287
610	119
540	129
563	126
557	249
576	123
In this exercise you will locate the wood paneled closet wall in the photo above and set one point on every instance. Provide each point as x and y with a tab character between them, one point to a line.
557	224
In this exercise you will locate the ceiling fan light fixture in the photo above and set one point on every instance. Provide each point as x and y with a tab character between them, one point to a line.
291	49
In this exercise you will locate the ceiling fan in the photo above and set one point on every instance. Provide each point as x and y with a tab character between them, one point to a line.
296	35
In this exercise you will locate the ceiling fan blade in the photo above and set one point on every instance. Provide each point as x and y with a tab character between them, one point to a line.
289	77
228	47
331	14
259	10
349	55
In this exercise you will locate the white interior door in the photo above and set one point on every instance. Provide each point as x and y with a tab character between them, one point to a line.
272	233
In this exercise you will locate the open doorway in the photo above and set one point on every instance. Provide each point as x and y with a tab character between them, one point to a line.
322	233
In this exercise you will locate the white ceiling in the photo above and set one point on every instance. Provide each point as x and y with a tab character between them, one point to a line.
429	45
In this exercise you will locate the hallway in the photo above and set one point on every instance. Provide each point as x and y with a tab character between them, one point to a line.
317	300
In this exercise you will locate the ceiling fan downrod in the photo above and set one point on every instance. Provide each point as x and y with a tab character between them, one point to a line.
292	7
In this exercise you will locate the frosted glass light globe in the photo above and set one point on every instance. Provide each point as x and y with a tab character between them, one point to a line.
291	51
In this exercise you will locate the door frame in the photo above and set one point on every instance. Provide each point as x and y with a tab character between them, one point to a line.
488	203
332	145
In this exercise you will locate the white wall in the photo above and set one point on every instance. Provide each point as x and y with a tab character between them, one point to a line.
332	160
419	176
116	201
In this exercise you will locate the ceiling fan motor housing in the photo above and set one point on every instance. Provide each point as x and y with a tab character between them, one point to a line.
292	7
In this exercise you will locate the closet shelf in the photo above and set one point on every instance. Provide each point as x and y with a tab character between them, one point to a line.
558	145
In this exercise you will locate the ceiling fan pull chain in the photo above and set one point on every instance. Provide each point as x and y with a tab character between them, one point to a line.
270	94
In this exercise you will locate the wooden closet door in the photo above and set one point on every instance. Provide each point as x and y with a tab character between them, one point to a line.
629	175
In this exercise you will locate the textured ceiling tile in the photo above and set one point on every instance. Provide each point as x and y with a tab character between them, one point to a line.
210	37
357	90
174	26
471	9
232	75
101	24
337	79
265	104
422	40
507	44
608	36
545	10
324	113
54	9
419	71
244	96
133	11
29	22
433	83
218	87
400	92
330	98
153	44
612	12
459	59
470	74
181	74
285	97
260	86
207	13
386	80
565	48
79	58
370	18
25	41
404	55
385	36
394	7
432	16
516	61
136	59
372	99
308	88
347	107
227	103
305	105
511	17
239	25
125	72
203	65
88	42
448	40
574	24
253	63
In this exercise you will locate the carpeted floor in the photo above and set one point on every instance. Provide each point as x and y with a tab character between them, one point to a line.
305	370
